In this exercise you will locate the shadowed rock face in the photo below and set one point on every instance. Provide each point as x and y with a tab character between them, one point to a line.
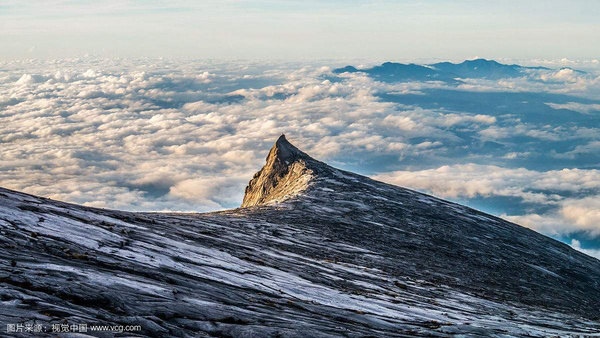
318	252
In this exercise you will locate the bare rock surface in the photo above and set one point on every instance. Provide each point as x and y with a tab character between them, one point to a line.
284	175
315	252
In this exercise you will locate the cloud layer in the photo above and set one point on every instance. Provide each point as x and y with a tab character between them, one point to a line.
187	135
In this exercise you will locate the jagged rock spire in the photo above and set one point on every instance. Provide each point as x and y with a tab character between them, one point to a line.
285	174
283	150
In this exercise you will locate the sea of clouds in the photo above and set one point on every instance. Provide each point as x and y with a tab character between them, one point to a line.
187	135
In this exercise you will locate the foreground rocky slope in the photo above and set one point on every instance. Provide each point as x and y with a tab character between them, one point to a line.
317	252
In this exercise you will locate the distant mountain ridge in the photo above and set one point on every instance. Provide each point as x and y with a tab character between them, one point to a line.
441	71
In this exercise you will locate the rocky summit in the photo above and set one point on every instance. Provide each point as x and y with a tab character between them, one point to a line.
313	252
287	172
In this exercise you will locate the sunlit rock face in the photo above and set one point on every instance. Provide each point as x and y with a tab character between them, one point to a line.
284	175
314	252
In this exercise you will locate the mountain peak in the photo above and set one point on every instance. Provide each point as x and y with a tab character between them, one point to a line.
283	150
285	174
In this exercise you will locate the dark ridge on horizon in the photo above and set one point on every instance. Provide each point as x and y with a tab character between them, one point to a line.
442	71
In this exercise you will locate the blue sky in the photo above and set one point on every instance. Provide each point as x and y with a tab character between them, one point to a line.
300	29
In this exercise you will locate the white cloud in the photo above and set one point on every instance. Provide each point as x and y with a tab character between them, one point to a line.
546	132
575	244
576	106
210	191
90	73
563	81
472	180
25	80
564	74
428	144
569	216
549	224
591	147
583	213
515	155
